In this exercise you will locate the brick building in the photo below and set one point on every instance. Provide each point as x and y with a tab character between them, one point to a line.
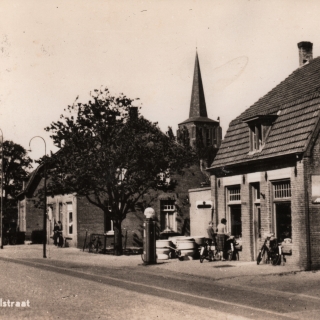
266	175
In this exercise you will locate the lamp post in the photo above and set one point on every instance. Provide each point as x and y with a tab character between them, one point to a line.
1	210
45	198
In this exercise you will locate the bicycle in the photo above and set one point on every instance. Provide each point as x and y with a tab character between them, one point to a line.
95	244
270	251
207	251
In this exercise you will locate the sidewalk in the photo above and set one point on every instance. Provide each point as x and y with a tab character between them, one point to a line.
215	270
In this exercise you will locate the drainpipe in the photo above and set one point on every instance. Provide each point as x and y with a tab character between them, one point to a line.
309	259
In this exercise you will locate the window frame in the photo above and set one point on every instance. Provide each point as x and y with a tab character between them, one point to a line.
70	221
168	207
280	200
237	194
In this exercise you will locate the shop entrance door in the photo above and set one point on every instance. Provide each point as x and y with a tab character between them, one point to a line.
235	221
283	220
256	228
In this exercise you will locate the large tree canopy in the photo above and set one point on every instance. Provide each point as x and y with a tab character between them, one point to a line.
112	155
15	170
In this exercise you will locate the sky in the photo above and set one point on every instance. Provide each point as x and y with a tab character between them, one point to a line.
52	51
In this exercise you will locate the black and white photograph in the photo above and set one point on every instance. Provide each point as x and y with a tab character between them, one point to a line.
159	159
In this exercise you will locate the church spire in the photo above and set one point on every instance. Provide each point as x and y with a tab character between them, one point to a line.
198	103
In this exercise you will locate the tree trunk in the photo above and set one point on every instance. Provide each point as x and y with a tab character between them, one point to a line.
117	238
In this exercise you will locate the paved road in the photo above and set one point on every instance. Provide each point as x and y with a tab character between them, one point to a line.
70	290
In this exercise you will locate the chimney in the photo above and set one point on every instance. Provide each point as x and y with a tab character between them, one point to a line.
305	52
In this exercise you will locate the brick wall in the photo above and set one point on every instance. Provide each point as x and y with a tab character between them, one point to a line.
312	166
246	220
90	218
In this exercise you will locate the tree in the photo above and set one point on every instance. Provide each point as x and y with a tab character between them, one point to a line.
111	155
15	170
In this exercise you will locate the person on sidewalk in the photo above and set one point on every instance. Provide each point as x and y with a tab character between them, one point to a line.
210	231
55	233
59	234
221	237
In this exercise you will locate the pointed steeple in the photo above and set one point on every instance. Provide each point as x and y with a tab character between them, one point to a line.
198	103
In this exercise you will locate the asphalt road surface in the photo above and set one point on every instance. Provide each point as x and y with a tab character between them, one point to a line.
67	290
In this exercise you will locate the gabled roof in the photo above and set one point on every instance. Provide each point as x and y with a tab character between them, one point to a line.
295	102
31	179
198	108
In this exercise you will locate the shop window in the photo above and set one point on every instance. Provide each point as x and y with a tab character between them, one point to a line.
283	223
234	194
70	218
282	209
168	215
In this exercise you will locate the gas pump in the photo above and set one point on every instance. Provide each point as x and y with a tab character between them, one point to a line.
149	237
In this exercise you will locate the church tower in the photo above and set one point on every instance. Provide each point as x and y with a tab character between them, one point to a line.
203	133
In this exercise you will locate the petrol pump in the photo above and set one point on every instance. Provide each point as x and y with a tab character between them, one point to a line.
149	237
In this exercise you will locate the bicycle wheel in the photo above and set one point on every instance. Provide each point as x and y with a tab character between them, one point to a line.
210	255
276	259
260	256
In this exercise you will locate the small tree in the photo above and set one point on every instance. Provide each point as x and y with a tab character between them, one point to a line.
111	155
15	166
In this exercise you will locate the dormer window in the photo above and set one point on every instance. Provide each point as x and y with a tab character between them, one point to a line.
256	137
259	127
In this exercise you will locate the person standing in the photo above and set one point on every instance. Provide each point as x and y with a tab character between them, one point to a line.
210	231
221	237
59	234
55	233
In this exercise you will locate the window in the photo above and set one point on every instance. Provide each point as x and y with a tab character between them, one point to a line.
70	218
256	136
282	190
259	127
282	221
208	137
234	194
60	211
50	217
168	215
108	221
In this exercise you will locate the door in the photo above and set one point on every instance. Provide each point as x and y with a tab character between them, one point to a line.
256	228
235	221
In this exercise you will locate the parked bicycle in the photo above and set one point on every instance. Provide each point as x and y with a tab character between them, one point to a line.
95	244
208	251
270	251
233	248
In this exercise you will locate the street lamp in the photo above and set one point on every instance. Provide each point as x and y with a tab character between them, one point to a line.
1	210
45	198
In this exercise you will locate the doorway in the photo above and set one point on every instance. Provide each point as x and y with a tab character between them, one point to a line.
257	228
235	221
